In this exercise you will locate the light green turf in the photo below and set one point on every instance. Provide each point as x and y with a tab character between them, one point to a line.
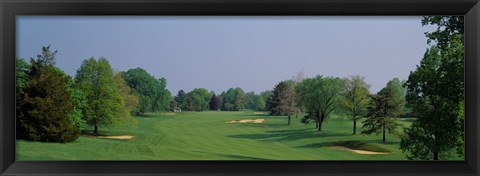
206	136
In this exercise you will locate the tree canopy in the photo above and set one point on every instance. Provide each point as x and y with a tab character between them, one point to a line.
436	92
319	96
45	103
105	104
152	92
356	97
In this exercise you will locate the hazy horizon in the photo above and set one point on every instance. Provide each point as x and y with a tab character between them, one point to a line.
218	53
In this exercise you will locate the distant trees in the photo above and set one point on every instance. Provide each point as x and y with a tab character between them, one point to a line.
200	99
105	104
251	100
152	92
233	99
44	103
355	98
180	99
383	111
263	99
215	103
436	91
319	96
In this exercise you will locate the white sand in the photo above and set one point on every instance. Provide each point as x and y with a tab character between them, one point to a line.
365	152
246	121
116	137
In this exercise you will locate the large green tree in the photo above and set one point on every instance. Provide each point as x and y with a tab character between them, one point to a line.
152	92
105	104
319	96
382	113
129	96
356	97
436	92
45	103
282	101
200	99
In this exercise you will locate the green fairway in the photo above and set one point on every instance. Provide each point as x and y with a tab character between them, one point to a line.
206	136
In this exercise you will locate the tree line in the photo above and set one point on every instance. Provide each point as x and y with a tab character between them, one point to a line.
54	107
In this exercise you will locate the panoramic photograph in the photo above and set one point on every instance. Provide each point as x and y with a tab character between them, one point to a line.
240	88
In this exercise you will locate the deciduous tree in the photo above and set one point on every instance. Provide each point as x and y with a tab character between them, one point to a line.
356	97
319	96
105	104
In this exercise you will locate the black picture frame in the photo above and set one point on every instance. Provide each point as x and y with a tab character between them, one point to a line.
10	8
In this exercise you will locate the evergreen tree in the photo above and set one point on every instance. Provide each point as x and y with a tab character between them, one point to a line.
45	103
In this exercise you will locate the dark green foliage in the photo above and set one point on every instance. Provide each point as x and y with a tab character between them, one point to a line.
382	113
214	103
47	57
154	96
273	103
435	90
181	99
282	102
44	106
251	100
447	28
105	104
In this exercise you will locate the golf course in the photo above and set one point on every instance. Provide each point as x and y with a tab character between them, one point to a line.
218	135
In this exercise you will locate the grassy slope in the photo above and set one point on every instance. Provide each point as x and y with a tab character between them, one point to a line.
204	135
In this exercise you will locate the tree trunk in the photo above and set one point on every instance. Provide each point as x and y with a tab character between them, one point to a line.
288	119
354	125
95	130
316	123
435	155
320	120
383	133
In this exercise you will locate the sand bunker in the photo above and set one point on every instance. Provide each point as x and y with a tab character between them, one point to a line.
258	113
116	137
365	152
246	121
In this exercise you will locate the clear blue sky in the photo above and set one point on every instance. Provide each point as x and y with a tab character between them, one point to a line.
217	53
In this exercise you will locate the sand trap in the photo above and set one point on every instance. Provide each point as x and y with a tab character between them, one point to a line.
116	137
246	121
365	152
258	113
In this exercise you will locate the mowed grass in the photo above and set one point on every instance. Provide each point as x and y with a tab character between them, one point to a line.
206	136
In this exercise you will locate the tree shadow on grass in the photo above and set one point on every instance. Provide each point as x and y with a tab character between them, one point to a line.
317	145
242	157
288	135
255	115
